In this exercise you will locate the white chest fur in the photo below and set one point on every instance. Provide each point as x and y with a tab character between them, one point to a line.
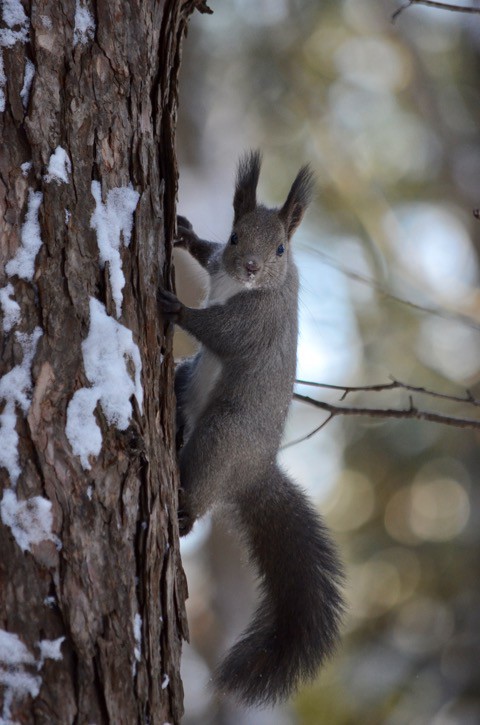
222	287
209	367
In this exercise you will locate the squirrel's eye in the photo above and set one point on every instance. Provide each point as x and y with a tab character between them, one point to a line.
280	250
233	238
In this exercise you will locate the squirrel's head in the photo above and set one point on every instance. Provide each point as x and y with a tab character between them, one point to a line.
258	249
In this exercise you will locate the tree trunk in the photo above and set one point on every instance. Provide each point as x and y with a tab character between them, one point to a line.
92	590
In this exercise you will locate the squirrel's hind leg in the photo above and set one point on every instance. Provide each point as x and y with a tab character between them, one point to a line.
205	471
183	376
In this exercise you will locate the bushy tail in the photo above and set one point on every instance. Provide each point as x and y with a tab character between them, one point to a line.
295	626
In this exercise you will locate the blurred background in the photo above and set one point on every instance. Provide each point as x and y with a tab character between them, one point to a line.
387	113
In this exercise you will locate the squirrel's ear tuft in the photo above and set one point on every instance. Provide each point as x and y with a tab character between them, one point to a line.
299	197
245	198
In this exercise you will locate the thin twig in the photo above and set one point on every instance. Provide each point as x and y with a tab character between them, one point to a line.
393	385
401	9
411	413
439	6
309	435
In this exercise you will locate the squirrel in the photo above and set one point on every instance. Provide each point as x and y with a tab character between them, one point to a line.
232	402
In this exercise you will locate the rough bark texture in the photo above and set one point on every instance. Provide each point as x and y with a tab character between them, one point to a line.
110	102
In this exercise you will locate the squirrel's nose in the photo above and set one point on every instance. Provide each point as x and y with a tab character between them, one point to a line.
251	265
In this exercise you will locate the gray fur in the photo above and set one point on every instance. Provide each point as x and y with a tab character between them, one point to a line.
233	398
245	197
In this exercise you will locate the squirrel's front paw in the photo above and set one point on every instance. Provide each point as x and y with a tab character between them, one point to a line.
186	519
185	522
185	233
170	306
183	222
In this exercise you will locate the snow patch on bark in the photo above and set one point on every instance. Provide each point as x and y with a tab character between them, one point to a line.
3	80
59	166
23	263
109	353
25	167
13	13
50	649
27	82
15	659
13	16
10	308
113	223
30	521
137	633
13	651
84	29
15	390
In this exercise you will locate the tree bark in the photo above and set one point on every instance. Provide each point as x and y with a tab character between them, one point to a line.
105	574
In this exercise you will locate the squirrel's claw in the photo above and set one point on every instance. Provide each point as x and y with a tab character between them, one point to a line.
185	518
185	522
185	233
180	242
170	306
182	221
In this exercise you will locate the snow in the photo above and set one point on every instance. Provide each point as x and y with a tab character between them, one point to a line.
137	633
105	353
113	222
8	37
12	650
9	442
25	167
59	166
20	682
46	22
81	429
165	681
14	656
27	82
10	308
23	264
13	15
84	24
108	352
50	649
3	80
15	389
16	384
30	521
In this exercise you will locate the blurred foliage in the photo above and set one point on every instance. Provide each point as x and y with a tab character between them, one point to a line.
387	114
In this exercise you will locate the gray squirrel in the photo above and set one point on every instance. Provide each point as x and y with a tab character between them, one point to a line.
232	402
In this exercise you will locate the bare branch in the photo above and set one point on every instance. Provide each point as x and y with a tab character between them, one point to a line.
438	5
393	385
309	435
412	412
